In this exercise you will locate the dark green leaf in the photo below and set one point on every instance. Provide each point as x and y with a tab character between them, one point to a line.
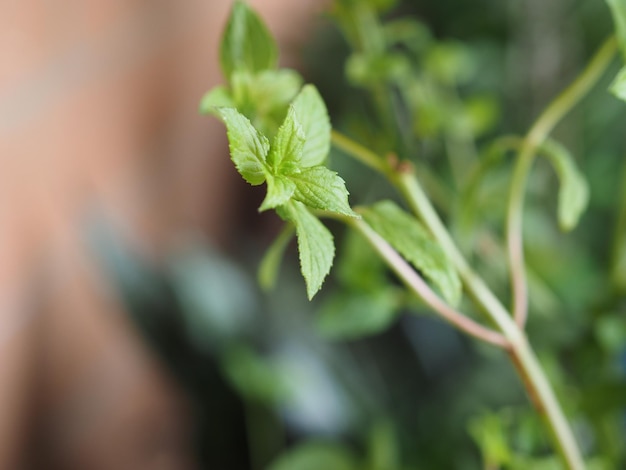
286	151
356	314
218	97
313	116
246	45
268	269
315	245
253	376
248	148
323	189
316	456
407	235
618	10
574	191
618	86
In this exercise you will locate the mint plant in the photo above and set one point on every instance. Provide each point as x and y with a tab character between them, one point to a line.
280	135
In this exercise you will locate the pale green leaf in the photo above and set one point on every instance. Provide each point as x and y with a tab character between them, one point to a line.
321	188
356	314
407	235
218	97
315	245
279	191
618	11
246	43
287	146
313	116
265	97
574	190
248	148
268	269
618	86
316	456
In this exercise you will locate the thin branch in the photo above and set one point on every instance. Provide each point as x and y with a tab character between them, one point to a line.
541	129
414	282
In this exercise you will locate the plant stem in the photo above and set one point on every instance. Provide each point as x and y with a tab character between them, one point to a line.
539	131
525	361
419	287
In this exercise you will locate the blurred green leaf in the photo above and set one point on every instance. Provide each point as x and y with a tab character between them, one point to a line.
246	45
253	376
574	190
316	456
488	432
383	447
270	264
618	10
218	97
618	86
407	235
352	315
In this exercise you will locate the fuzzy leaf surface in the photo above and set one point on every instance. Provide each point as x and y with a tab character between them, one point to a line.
246	43
407	235
286	152
323	189
313	116
248	148
279	191
315	245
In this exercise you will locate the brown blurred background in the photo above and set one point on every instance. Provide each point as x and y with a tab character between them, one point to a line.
98	115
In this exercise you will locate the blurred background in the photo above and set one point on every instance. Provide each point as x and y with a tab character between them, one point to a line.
132	331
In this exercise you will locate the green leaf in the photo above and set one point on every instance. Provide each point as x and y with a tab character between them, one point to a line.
268	269
253	376
248	148
618	86
574	190
246	43
356	314
265	97
286	152
321	188
315	245
218	97
407	235
618	11
316	456
313	116
279	191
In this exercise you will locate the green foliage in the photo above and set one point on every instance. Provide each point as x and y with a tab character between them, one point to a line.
574	191
315	456
315	245
248	147
247	45
407	235
431	104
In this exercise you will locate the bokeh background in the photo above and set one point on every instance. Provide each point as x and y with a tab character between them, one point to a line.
132	331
